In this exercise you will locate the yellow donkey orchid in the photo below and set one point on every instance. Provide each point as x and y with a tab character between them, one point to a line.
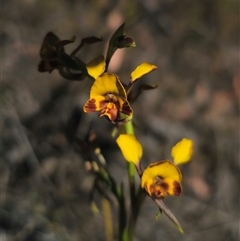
160	178
107	94
163	178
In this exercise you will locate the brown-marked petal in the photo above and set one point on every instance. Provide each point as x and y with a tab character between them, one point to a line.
95	104
171	186
162	169
125	107
110	111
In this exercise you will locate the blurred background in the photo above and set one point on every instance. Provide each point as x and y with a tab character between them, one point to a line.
44	184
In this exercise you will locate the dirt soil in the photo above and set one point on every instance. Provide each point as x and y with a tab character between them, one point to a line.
45	186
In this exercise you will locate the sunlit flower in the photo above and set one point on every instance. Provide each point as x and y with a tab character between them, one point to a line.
160	178
107	94
163	178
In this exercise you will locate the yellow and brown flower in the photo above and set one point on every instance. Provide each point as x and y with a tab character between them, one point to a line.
107	94
162	178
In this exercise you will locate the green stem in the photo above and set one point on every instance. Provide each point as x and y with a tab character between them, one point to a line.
129	128
131	167
141	194
131	174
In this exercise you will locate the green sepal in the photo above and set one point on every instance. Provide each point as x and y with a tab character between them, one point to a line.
112	47
122	119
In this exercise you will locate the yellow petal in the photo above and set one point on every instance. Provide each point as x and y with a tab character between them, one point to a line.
141	70
130	147
162	169
96	67
107	83
182	151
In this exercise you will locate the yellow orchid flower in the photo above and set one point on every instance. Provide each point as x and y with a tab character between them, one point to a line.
162	178
107	93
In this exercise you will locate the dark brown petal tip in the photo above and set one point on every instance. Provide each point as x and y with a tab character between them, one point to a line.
177	189
90	106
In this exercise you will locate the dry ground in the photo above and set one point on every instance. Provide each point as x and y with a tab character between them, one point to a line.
44	185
